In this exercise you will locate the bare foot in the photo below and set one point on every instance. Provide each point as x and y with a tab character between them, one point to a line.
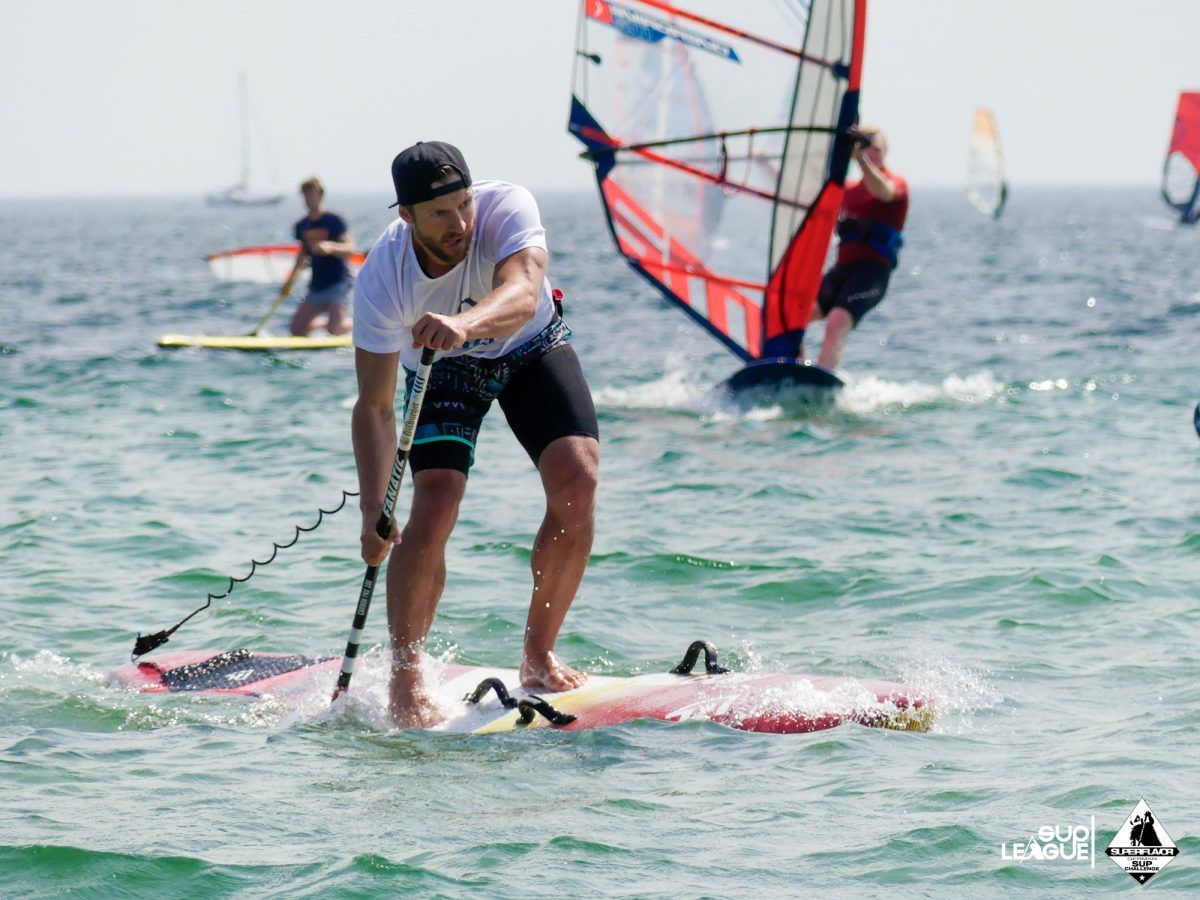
413	704
545	671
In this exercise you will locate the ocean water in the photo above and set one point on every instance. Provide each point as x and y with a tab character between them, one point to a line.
1002	509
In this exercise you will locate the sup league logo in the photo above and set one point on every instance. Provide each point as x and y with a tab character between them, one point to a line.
1055	842
1142	847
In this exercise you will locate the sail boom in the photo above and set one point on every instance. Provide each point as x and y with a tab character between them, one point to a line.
717	135
644	151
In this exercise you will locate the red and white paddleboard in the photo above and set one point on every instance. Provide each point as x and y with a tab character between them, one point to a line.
771	702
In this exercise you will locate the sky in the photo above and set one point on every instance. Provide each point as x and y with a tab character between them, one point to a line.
139	97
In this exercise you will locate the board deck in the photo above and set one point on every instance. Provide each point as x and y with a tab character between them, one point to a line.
255	341
770	702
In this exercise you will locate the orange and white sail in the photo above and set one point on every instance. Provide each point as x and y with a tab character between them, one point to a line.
262	265
986	187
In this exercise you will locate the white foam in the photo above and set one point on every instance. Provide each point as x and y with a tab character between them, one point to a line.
49	668
680	389
973	388
957	693
871	394
677	388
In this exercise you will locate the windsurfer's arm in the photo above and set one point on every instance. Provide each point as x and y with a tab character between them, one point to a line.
373	433
875	179
511	303
343	246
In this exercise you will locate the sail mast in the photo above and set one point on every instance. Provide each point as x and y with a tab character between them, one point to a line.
245	108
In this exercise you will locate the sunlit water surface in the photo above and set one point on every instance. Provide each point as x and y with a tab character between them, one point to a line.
1002	509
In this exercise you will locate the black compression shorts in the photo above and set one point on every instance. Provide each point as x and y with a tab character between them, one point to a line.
540	387
855	287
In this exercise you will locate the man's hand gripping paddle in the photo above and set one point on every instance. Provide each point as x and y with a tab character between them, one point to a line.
384	526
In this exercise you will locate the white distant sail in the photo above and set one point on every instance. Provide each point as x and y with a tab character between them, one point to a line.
986	188
241	194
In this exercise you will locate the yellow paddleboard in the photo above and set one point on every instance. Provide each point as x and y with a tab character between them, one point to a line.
255	341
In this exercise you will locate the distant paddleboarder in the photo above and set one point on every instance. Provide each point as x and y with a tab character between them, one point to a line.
327	243
869	239
463	271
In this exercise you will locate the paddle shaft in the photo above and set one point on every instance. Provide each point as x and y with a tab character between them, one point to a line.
287	289
384	525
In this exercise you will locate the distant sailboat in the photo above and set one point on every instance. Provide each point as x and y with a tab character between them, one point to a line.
1181	171
986	187
241	193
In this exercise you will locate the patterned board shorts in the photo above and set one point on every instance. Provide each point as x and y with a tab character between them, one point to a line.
540	387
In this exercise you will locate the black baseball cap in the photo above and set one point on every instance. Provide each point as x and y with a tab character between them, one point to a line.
415	169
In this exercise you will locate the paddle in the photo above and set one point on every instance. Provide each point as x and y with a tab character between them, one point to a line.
283	294
384	526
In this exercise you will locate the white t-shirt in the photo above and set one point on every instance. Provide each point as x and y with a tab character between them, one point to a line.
391	291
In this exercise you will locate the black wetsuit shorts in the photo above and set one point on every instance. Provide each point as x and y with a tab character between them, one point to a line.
855	287
541	389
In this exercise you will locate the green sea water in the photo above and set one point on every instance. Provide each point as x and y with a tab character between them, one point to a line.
1002	509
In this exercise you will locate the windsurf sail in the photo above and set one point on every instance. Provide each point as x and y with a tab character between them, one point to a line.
719	137
262	265
986	187
1181	171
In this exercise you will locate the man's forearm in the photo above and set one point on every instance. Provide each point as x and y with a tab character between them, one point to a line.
500	313
878	184
373	431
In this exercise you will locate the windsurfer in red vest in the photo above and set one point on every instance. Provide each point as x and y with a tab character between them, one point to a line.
869	240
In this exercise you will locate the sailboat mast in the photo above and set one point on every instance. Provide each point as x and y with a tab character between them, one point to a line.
245	108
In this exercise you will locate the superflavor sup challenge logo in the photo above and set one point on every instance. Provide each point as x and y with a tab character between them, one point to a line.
1142	848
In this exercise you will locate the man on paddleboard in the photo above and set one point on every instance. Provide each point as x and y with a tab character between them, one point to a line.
869	239
327	243
463	271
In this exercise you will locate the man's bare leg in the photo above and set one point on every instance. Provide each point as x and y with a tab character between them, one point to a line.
838	325
570	468
816	316
416	577
304	319
339	322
